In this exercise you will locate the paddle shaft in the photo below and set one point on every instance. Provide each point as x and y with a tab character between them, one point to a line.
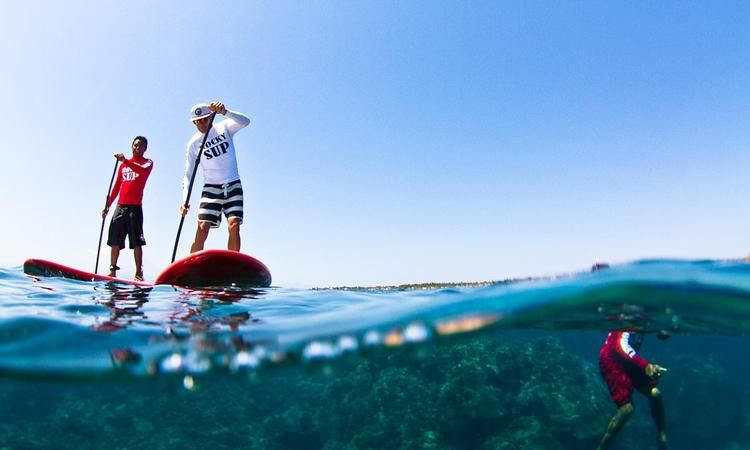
192	180
106	203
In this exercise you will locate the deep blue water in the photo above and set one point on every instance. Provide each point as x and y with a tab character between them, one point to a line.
509	366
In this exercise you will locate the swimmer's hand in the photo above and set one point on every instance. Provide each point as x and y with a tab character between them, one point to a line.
655	370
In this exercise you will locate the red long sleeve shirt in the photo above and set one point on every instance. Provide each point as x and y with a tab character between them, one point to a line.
623	345
131	181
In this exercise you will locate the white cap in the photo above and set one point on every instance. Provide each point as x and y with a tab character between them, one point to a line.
199	111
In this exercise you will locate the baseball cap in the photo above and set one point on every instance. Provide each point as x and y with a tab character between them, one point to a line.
199	111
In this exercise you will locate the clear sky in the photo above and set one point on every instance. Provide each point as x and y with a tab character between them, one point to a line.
391	141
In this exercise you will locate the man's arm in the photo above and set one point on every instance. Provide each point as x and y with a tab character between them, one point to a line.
190	156
626	351
139	168
237	121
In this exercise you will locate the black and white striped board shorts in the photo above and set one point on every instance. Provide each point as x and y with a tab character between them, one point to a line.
218	198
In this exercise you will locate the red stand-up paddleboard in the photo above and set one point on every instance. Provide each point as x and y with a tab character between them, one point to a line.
201	269
216	268
44	268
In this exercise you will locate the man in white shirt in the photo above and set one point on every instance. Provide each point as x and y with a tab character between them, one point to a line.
222	189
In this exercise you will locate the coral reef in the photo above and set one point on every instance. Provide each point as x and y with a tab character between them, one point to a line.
473	392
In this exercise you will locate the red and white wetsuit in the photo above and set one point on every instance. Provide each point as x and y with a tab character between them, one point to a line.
131	181
622	367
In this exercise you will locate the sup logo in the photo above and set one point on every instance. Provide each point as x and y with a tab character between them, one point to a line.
128	174
198	112
216	147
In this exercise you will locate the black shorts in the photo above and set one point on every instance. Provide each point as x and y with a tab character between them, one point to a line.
127	221
218	198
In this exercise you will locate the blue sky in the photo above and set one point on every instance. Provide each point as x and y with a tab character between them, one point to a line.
391	141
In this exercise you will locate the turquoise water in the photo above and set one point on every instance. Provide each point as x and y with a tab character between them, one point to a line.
509	366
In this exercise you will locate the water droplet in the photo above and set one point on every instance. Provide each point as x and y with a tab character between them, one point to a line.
244	359
416	332
196	363
318	350
393	339
372	337
172	363
347	344
188	382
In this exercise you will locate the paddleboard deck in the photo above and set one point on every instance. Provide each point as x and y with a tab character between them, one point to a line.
207	268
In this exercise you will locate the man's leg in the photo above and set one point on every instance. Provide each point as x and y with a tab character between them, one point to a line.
659	415
234	234
114	255
620	418
201	234
138	255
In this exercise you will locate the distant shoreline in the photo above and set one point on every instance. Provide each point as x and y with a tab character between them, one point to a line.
466	284
426	286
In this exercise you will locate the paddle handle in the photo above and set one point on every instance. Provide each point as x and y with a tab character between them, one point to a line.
192	180
101	232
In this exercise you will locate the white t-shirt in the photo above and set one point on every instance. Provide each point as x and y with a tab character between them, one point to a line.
219	159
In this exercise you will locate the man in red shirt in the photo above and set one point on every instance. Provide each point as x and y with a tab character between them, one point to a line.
624	370
127	219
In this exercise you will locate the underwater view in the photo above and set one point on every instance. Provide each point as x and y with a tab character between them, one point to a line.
503	365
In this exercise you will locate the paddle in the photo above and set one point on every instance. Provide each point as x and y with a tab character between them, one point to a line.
106	202
192	179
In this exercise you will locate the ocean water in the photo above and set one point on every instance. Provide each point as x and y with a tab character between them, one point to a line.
506	366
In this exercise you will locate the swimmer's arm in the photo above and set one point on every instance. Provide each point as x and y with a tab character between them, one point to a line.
628	352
